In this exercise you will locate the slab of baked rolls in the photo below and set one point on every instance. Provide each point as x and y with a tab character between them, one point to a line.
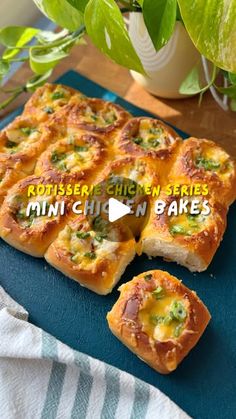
159	319
94	254
63	135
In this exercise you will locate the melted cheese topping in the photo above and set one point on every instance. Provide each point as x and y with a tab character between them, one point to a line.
156	320
19	204
136	171
214	160
101	118
151	136
77	158
187	224
87	247
20	139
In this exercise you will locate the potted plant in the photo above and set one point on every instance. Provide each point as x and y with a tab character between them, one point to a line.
211	26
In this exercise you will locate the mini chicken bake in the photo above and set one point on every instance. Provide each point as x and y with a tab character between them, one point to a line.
159	319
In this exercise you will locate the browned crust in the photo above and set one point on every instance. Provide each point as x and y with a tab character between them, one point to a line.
184	171
76	112
99	157
204	244
131	128
123	321
33	241
33	108
101	279
27	157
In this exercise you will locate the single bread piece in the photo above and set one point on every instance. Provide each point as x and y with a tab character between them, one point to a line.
95	255
148	137
23	141
49	99
188	239
159	319
98	116
31	233
77	156
203	161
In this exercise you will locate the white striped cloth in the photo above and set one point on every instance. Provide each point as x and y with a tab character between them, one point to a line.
41	377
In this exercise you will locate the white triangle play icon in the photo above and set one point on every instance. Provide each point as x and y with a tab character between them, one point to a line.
117	210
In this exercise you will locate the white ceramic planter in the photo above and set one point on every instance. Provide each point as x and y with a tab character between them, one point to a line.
167	68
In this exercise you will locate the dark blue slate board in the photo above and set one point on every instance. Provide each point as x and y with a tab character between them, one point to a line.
204	384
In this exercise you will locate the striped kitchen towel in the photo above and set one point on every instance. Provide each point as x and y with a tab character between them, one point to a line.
40	377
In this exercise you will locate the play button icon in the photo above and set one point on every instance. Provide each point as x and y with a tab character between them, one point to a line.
117	210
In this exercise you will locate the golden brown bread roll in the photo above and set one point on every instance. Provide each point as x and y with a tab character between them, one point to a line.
31	233
49	99
188	239
147	137
94	257
77	157
159	319
203	161
98	116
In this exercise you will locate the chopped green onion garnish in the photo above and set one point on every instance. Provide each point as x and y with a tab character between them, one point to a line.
179	229
156	319
80	148
57	95
158	293
178	311
207	164
82	235
90	255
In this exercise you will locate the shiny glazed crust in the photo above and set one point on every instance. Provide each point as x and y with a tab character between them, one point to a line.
43	98
189	168
131	130
83	116
32	239
83	166
123	321
195	251
99	275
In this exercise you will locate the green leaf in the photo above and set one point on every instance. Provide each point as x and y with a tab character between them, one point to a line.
106	28
211	25
37	81
43	61
229	91
78	4
61	12
232	78
45	37
4	68
233	105
191	85
160	18
15	36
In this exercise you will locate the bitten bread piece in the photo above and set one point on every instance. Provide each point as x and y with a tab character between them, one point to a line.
94	255
31	233
188	239
203	161
159	319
